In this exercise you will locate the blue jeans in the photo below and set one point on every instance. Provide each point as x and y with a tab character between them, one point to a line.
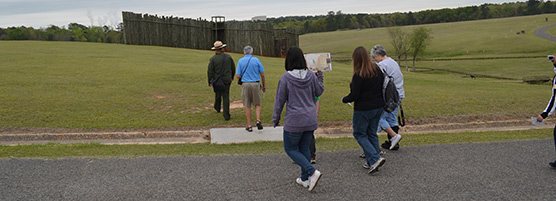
388	119
365	124
296	146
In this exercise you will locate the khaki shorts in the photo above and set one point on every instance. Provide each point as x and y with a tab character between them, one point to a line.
251	94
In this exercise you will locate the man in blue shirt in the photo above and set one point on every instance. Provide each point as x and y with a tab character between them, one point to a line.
251	72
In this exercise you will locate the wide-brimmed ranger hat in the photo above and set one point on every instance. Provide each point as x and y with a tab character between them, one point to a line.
218	45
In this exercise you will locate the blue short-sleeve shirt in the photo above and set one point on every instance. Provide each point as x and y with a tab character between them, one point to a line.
252	74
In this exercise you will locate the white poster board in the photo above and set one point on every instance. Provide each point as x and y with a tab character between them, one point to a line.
319	61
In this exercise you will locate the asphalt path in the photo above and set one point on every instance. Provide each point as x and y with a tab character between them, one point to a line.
515	170
541	32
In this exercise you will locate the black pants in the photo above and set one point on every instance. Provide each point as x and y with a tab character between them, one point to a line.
312	147
224	98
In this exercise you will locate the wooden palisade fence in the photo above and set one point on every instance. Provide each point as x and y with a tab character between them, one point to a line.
266	40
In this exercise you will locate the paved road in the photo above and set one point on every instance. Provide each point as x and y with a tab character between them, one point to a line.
541	32
516	170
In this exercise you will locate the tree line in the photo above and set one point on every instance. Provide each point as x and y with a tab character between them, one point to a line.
303	24
339	21
73	32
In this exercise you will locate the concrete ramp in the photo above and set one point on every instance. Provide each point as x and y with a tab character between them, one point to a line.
240	135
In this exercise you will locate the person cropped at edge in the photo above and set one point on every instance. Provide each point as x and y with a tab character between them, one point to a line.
251	71
214	66
366	92
388	121
550	108
297	89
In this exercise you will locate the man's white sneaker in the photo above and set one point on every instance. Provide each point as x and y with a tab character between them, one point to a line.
303	183
366	166
314	180
377	165
394	141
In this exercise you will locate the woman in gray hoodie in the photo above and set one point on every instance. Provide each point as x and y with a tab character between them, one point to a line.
297	89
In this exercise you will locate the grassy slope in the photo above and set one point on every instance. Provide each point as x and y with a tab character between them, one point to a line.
497	37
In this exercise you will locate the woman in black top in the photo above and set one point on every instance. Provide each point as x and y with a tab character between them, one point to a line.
366	92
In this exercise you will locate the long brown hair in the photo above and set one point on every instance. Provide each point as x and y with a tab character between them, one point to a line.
362	64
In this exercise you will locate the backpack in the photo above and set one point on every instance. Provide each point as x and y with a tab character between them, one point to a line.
390	93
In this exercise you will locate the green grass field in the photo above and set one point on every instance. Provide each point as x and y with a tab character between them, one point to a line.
94	86
106	86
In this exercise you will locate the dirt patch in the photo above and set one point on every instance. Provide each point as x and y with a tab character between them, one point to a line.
233	105
236	104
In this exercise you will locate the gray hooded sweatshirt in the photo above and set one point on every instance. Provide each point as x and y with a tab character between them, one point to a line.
297	89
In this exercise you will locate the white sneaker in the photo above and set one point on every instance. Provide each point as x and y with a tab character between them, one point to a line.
303	183
314	180
394	141
366	166
377	165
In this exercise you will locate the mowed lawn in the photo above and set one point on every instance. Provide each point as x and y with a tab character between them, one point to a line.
106	86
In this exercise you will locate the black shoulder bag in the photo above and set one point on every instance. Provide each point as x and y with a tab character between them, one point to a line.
239	80
218	85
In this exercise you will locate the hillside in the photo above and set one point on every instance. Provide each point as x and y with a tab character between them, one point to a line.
481	38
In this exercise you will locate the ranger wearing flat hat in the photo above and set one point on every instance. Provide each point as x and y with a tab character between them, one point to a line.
215	67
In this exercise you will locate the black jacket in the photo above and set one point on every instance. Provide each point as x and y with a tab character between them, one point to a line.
366	93
215	64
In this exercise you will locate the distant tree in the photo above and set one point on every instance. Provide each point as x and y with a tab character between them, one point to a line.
411	19
354	24
51	32
95	34
400	41
533	7
76	25
485	11
547	7
3	34
420	39
18	33
78	34
331	23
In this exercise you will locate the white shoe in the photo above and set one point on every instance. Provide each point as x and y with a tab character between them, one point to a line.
314	180
303	183
377	165
366	166
395	140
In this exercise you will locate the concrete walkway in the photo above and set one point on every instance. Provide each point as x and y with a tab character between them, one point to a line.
516	170
240	135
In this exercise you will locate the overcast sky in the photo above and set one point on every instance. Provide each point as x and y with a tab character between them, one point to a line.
42	13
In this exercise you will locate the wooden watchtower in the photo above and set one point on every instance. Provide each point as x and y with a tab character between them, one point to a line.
219	29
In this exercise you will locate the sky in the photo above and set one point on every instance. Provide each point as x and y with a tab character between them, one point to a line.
43	13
